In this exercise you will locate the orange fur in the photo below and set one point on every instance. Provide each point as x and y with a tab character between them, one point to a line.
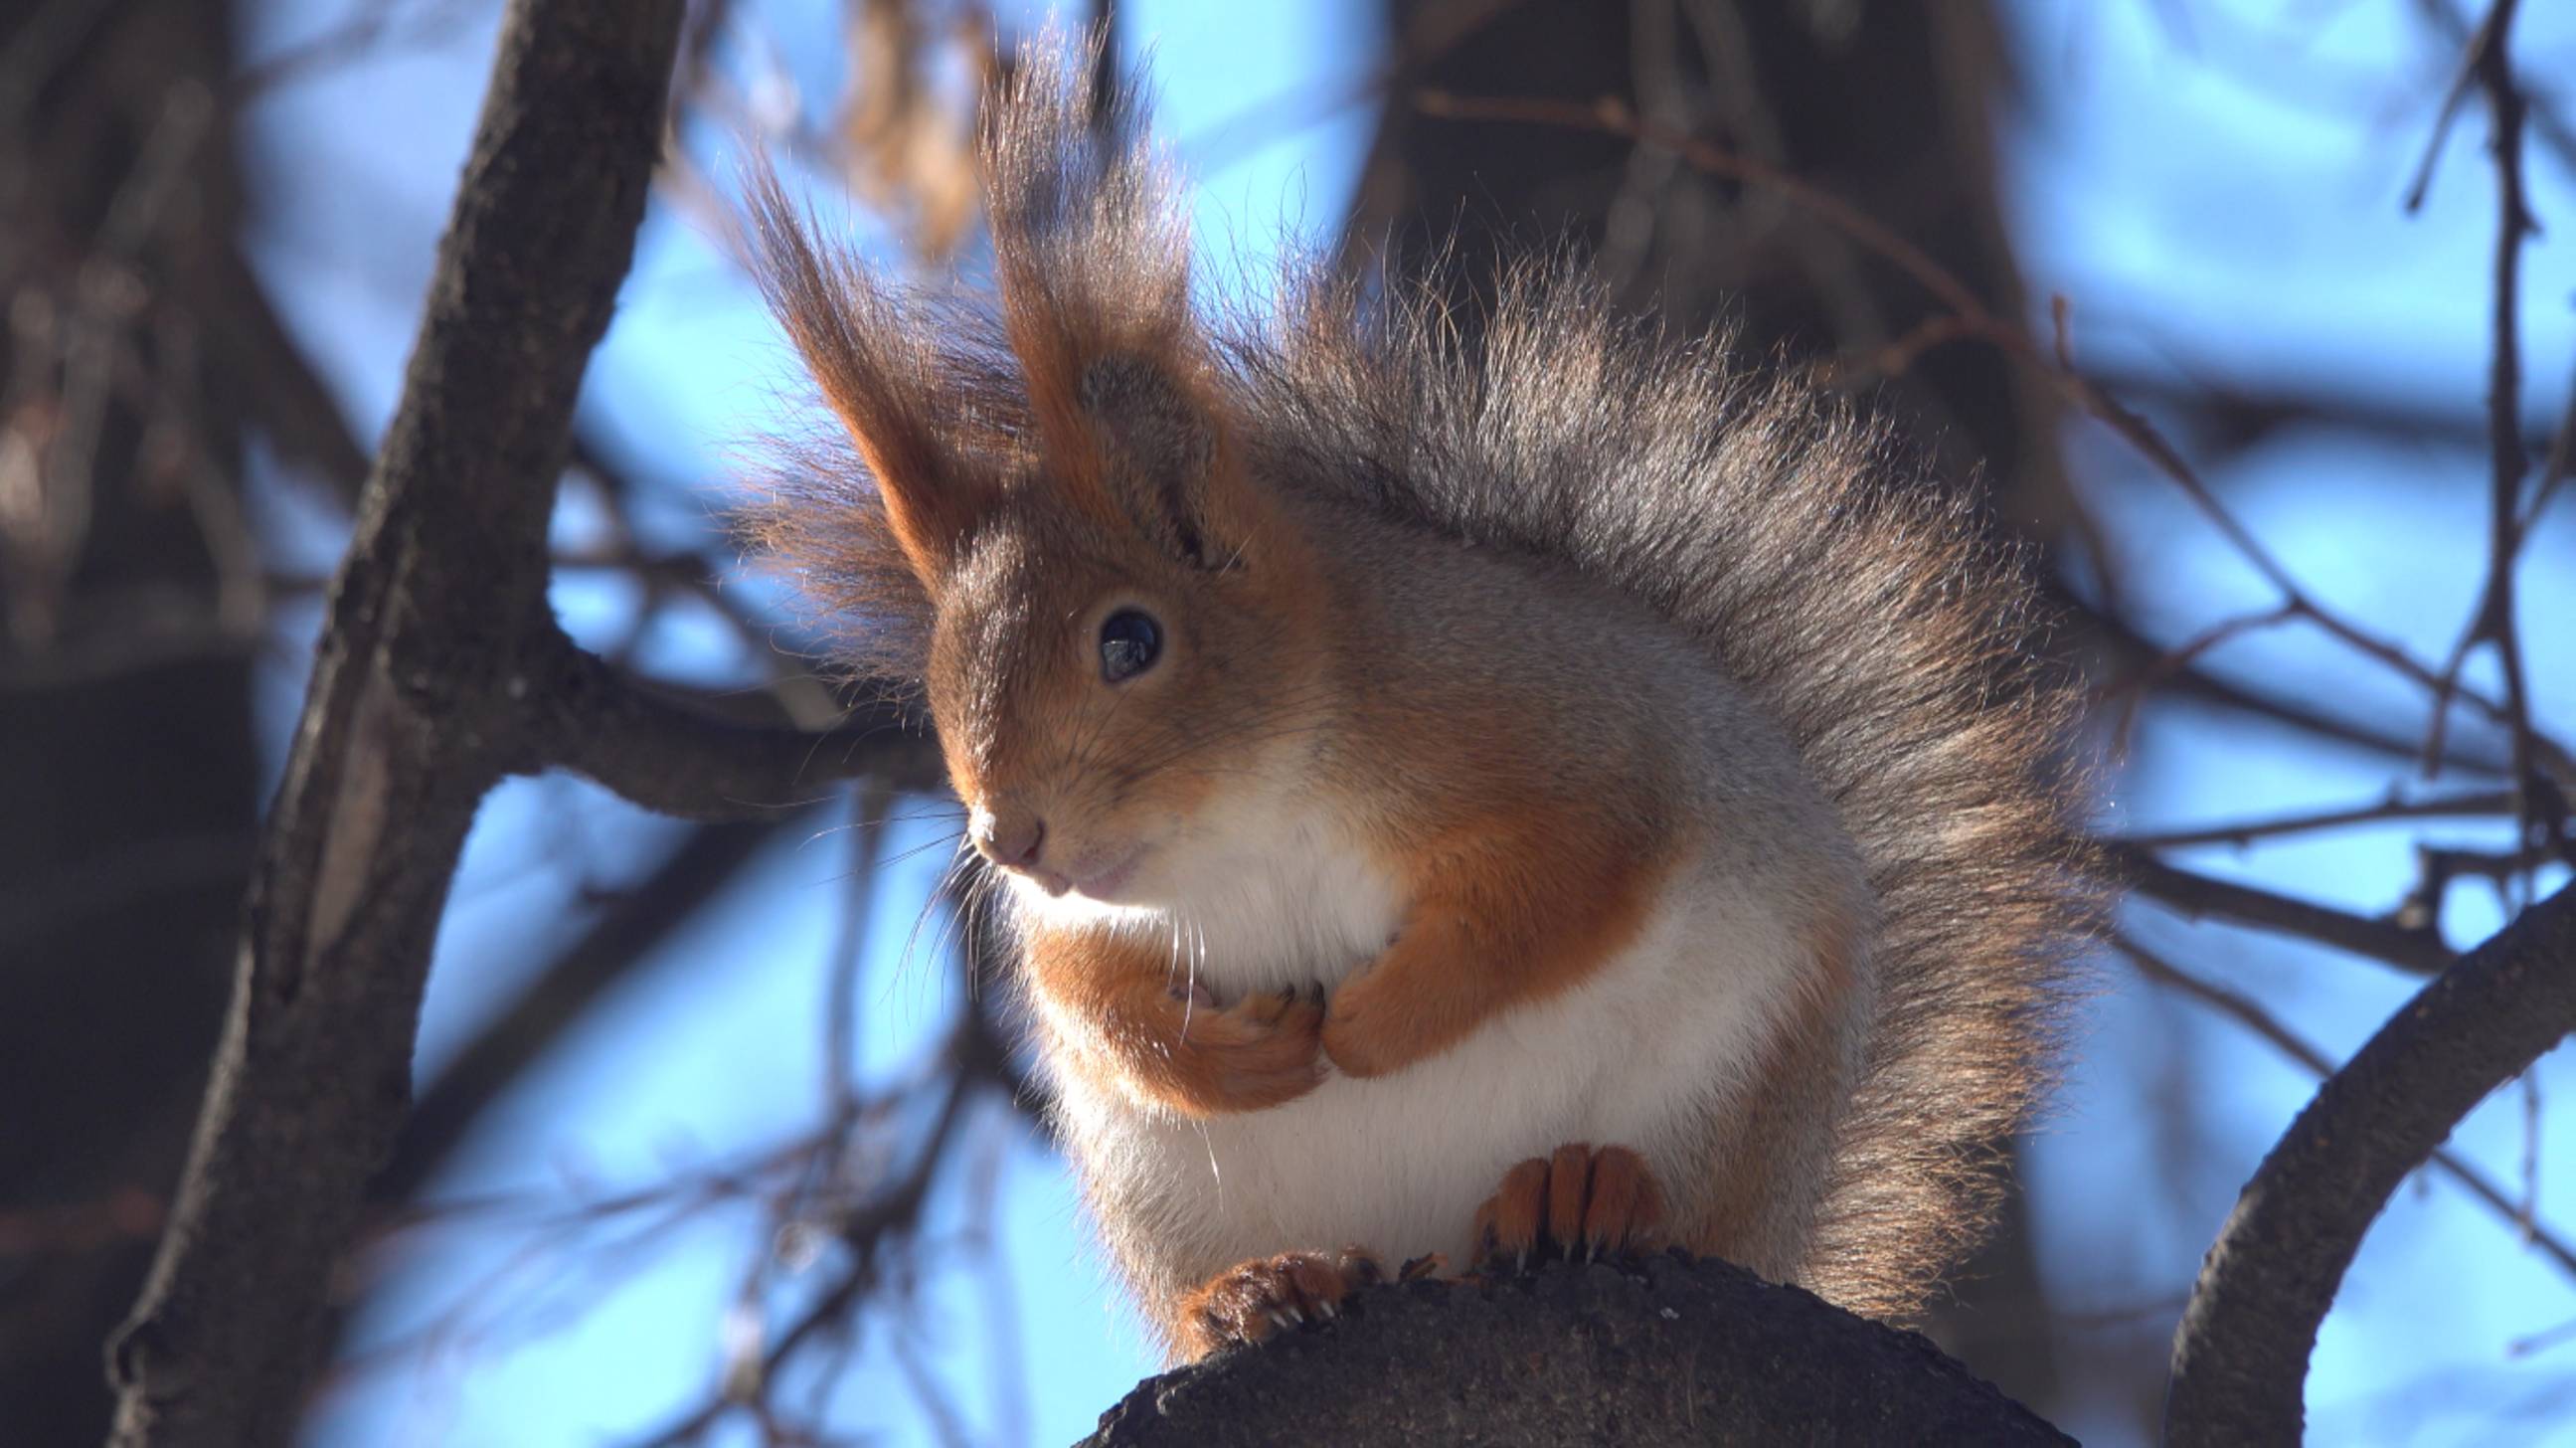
882	378
1122	996
1514	904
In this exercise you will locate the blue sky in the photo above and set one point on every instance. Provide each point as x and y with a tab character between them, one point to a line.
2218	197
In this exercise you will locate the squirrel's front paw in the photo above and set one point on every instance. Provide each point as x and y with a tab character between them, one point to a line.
1250	1301
1256	1053
1580	1202
1362	1034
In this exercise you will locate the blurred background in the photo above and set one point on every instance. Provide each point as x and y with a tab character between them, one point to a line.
718	1140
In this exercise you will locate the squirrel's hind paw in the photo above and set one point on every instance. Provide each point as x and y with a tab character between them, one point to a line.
1579	1203
1251	1300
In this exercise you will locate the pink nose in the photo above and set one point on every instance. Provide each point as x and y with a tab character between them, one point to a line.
1011	838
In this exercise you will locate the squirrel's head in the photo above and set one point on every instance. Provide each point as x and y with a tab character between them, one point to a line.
1124	636
1124	640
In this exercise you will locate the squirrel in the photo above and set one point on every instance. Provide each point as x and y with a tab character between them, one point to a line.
1455	800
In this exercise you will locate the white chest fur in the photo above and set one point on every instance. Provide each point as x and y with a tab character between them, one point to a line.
1399	1164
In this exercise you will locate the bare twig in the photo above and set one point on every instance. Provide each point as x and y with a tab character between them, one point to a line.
891	1215
2418	950
2490	62
1613	118
2485	802
2251	1014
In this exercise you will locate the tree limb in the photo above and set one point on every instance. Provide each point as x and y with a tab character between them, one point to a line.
2241	1355
1662	1351
665	755
2199	896
407	723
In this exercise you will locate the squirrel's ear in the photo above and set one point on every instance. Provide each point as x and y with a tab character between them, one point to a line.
1167	459
877	368
1092	251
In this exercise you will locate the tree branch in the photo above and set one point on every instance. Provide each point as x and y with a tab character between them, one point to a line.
665	755
2418	950
409	720
2251	1014
1662	1351
2241	1355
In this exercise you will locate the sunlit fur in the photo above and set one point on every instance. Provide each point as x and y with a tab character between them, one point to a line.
1595	741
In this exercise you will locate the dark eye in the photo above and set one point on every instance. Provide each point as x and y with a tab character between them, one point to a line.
1129	643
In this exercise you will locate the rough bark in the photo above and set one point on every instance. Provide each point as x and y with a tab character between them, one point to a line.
1650	1353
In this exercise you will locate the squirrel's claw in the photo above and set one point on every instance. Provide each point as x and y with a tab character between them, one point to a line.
1250	1301
1579	1203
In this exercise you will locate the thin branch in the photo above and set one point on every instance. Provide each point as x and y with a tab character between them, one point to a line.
2201	896
2128	648
2251	1014
1611	117
2485	802
665	755
2241	1355
2489	64
891	1215
520	1033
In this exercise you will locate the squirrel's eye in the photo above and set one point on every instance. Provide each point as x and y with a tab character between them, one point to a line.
1129	643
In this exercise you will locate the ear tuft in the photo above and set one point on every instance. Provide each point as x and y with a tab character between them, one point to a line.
1092	249
878	364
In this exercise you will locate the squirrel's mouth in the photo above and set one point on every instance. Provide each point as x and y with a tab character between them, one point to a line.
1104	882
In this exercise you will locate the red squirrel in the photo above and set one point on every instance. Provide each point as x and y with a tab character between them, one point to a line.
1455	800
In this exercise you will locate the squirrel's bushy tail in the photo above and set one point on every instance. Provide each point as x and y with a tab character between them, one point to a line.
1860	605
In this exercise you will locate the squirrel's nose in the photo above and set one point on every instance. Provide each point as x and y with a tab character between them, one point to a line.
1009	837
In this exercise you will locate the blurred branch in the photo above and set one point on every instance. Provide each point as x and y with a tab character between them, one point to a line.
704	865
372	25
808	701
2487	802
2241	1355
40	48
2201	896
283	392
890	1215
407	724
665	755
1612	117
2251	1014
